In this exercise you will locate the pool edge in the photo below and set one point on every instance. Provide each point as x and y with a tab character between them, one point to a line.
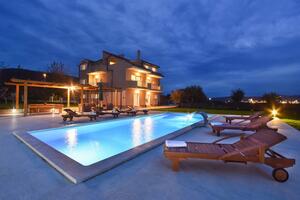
76	172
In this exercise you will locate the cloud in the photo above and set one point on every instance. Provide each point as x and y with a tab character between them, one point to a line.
218	44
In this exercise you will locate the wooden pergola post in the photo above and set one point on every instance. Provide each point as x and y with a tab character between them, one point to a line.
25	100
81	99
17	96
68	98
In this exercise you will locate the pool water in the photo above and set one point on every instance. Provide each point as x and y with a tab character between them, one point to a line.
93	142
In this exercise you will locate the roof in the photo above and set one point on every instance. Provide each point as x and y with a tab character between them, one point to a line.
135	64
7	74
154	65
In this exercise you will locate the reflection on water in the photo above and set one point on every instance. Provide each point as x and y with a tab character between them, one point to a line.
136	131
71	138
148	128
142	130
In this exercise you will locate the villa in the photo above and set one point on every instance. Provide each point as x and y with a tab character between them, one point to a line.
125	82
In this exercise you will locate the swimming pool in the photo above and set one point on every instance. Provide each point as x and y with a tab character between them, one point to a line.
94	142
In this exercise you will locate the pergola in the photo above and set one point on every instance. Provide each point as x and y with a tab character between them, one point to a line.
44	84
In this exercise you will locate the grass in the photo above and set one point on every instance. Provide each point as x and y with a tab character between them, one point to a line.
210	111
291	120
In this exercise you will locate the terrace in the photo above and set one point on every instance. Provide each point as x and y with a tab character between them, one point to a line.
24	175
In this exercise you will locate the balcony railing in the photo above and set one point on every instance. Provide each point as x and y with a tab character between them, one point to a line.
155	87
104	84
135	84
139	84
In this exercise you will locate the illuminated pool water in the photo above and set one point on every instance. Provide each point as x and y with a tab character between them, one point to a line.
91	143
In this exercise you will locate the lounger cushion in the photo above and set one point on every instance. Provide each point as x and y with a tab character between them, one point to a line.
174	143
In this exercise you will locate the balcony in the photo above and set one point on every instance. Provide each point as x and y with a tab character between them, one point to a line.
135	84
104	84
155	87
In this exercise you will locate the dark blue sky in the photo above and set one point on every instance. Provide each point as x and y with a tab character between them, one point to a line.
220	45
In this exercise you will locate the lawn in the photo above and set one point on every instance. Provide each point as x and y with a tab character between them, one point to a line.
286	118
293	122
211	111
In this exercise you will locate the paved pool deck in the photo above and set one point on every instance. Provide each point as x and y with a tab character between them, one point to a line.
24	175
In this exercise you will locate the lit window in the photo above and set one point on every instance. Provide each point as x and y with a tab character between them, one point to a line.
146	66
148	80
112	61
154	69
135	78
132	77
83	67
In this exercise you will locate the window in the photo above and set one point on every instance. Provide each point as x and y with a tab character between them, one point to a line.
135	78
112	61
83	81
83	67
146	66
148	80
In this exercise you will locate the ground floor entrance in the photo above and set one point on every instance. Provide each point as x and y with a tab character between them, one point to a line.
124	98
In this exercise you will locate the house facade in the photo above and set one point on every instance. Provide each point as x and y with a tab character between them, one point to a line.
124	82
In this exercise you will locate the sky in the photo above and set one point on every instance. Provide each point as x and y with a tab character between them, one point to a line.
220	45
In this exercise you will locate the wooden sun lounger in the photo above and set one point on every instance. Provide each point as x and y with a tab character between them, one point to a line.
115	114
134	111
254	148
253	125
252	117
122	110
71	114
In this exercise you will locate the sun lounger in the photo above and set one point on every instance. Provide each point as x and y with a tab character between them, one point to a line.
253	125
112	112
128	111
134	111
71	114
252	117
122	110
254	148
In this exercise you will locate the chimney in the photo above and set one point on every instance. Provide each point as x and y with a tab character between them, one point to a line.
138	55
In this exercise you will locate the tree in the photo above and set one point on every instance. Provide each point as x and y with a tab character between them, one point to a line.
237	95
57	68
271	98
193	96
176	96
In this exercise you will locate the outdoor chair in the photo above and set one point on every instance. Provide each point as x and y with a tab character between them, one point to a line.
252	117
114	112
253	125
254	148
71	114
